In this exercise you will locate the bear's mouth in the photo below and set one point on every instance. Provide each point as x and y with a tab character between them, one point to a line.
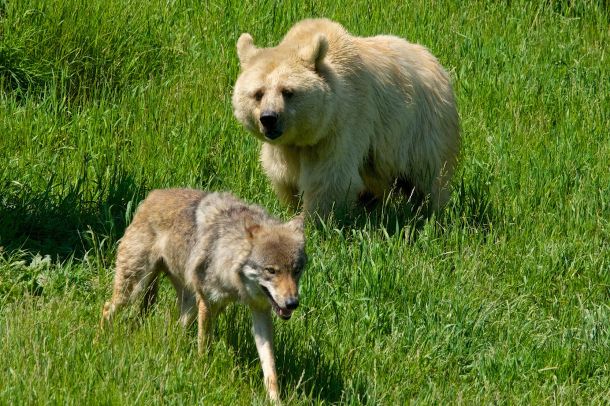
272	134
280	311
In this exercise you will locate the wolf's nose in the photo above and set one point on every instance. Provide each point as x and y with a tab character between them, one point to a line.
268	119
292	303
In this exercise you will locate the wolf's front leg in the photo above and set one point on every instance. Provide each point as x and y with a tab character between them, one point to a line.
262	328
204	322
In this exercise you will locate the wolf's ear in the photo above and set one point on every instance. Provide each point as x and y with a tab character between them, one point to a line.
245	48
315	52
297	224
251	226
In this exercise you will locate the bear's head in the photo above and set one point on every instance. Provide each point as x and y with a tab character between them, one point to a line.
281	94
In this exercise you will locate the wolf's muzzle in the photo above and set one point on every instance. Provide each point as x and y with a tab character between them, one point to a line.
292	303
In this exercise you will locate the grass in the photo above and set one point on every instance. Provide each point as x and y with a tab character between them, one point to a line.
502	299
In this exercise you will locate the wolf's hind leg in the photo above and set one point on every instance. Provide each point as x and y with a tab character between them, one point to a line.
188	306
150	286
187	302
133	275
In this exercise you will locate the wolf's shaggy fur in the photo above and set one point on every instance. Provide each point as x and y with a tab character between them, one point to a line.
215	249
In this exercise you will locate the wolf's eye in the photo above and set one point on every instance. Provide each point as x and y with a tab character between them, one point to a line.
270	270
258	96
287	93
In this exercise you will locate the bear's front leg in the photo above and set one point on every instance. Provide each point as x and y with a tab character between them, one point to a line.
287	193
329	187
282	166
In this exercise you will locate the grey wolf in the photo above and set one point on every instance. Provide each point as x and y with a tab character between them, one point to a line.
215	249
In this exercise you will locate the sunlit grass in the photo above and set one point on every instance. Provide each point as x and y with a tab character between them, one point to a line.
504	298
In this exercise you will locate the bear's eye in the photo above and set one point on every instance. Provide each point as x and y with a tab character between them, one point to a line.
287	93
258	96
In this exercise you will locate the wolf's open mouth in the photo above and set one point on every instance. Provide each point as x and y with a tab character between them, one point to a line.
283	313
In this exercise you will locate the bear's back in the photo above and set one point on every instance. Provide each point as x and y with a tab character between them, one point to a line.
305	30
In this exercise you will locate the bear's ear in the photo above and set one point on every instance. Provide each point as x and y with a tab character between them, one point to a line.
314	53
245	48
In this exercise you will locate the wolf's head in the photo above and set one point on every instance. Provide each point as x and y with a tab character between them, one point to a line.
276	263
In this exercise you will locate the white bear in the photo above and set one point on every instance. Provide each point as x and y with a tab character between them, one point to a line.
342	116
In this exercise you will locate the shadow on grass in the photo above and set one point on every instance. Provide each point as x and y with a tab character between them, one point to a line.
404	212
304	366
399	209
474	205
301	366
63	221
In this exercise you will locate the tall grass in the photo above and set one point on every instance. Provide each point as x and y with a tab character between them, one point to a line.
502	299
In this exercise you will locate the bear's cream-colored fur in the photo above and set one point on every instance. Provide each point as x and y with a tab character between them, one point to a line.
341	116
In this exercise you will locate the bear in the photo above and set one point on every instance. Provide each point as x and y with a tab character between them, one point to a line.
343	117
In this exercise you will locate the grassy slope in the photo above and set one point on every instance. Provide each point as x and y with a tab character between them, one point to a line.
503	299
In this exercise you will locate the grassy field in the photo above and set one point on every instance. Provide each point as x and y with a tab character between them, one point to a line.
503	299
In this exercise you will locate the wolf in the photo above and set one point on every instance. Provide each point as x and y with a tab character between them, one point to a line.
215	249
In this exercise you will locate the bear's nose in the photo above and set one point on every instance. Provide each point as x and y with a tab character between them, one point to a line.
268	119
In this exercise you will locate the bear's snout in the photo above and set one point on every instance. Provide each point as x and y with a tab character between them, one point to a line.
269	120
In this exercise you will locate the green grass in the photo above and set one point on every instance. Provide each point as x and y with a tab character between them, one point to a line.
505	298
